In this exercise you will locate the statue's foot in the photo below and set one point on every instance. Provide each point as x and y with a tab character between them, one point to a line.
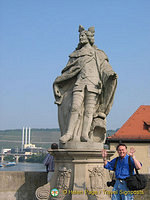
102	115
85	139
65	138
76	139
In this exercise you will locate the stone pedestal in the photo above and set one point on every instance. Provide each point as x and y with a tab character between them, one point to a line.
79	174
72	145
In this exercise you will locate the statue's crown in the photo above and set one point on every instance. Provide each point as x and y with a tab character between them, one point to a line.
90	29
81	28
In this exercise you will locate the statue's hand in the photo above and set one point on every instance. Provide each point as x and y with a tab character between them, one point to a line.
56	91
114	76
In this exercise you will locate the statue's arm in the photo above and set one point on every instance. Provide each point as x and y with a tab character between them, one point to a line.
107	72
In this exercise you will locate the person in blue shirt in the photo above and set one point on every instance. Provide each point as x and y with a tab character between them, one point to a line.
122	171
49	163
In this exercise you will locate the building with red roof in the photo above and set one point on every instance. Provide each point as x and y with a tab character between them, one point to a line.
136	128
135	132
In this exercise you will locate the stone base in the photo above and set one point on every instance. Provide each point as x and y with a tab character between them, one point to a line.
79	174
82	145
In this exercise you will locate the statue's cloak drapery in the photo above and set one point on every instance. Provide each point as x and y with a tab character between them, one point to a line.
65	84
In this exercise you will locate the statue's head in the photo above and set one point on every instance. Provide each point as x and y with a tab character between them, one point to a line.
83	39
89	34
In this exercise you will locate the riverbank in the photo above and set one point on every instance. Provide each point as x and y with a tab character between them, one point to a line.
26	167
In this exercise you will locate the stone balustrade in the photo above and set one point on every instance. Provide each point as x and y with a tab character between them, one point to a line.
23	185
17	185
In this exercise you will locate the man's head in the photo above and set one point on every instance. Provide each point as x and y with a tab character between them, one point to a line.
54	146
122	150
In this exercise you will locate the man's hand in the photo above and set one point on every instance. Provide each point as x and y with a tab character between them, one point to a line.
104	154
132	151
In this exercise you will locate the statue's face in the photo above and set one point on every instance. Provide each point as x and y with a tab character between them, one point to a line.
83	38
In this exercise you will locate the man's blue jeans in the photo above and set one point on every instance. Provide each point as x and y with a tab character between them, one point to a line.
121	192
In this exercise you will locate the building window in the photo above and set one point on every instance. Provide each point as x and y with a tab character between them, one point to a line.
147	125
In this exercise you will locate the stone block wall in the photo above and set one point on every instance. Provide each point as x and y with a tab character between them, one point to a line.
20	185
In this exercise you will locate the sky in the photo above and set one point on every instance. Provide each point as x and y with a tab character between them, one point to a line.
36	39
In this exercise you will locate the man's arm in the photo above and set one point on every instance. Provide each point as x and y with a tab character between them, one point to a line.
136	162
108	164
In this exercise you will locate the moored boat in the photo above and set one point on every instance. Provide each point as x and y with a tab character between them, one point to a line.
9	164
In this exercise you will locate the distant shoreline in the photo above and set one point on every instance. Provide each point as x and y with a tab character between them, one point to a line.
18	129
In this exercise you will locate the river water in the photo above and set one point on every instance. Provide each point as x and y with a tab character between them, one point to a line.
20	166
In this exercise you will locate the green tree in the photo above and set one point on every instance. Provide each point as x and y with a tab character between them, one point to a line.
21	159
36	158
9	158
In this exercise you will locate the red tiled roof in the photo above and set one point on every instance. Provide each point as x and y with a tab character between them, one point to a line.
136	127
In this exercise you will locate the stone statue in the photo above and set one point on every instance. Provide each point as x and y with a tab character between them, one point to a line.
84	92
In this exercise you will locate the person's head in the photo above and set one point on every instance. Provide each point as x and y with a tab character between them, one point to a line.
122	150
54	146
